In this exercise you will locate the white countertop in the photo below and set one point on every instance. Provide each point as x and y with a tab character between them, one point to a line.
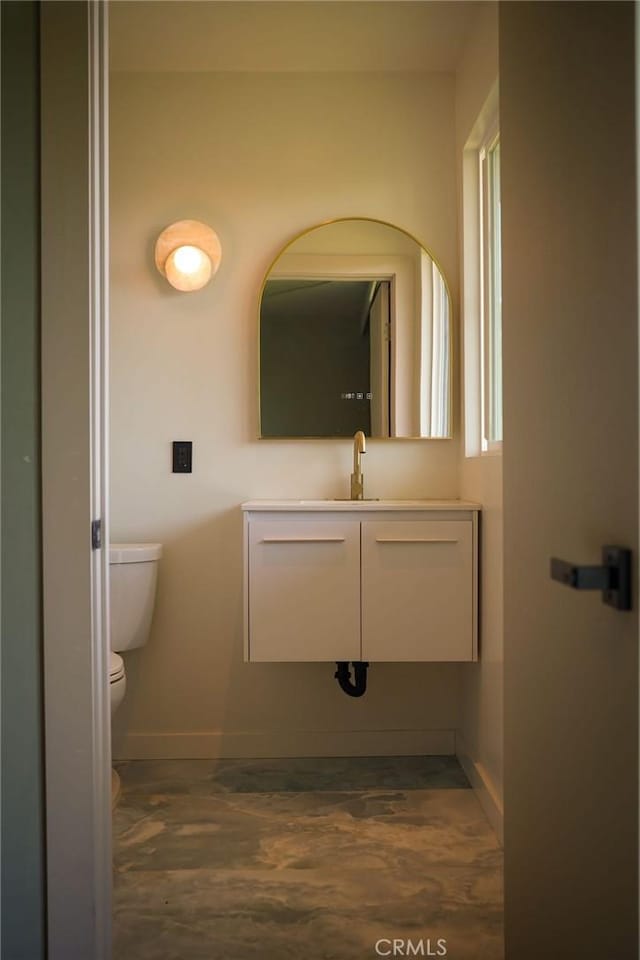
359	505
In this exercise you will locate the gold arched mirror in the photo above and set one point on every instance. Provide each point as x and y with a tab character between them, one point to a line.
355	334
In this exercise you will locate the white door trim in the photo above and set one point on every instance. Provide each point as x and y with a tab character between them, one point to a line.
74	64
636	586
99	325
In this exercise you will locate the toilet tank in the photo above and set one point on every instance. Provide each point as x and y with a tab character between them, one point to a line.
133	571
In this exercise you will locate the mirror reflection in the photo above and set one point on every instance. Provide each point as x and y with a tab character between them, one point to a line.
355	334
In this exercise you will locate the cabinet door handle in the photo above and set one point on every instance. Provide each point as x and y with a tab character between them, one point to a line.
303	540
412	540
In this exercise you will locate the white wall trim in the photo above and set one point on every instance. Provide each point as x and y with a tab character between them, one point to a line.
287	743
483	786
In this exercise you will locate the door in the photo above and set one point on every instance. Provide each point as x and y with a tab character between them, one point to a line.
570	364
417	590
304	589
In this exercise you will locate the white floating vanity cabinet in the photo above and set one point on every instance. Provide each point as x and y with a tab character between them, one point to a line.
360	580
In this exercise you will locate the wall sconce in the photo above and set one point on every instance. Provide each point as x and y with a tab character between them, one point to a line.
188	254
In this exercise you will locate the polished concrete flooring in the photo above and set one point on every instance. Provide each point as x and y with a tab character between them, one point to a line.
304	859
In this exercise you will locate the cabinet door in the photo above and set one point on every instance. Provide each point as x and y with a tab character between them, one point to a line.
417	590
304	589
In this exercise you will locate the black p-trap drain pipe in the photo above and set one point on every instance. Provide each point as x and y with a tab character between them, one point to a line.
343	676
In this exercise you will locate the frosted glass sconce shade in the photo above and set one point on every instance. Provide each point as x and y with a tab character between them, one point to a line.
188	254
188	268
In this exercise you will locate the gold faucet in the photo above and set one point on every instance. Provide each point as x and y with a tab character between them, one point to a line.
357	478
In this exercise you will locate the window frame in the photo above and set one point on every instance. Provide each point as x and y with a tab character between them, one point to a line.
491	293
481	286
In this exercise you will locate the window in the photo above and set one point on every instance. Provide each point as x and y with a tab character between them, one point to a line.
482	287
491	298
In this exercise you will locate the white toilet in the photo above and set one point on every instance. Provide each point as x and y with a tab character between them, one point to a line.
133	573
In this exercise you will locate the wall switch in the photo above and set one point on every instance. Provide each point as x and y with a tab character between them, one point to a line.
182	456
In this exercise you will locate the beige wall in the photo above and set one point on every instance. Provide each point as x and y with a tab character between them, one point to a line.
479	743
259	157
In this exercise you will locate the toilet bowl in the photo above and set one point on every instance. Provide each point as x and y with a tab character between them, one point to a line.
117	681
117	687
133	572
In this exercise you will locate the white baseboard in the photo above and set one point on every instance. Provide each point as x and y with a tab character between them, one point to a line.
484	787
285	743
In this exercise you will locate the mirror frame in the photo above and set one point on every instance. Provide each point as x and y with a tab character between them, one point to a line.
411	236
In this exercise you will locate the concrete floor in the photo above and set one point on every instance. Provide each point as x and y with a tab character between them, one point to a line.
328	859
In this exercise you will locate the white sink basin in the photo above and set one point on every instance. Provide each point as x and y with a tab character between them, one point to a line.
342	500
341	504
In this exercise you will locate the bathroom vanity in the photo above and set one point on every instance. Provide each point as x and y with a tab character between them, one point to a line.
354	580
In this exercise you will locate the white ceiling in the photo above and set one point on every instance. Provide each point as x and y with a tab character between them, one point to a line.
289	35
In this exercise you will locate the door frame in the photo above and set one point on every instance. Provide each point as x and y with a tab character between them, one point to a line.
75	473
74	243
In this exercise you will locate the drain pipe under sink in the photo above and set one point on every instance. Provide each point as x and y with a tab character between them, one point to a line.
343	676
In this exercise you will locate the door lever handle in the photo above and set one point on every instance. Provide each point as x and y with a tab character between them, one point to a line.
613	577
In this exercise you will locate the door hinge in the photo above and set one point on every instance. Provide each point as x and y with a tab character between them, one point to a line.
96	534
